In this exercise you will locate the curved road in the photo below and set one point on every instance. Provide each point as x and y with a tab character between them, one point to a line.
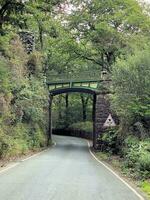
65	172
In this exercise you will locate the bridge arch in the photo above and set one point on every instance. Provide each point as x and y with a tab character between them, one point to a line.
74	89
92	84
59	91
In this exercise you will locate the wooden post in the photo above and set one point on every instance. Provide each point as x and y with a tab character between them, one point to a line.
50	120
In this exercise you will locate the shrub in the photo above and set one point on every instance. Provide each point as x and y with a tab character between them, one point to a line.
131	88
4	144
109	140
4	76
146	187
137	156
37	137
82	126
13	142
144	162
23	99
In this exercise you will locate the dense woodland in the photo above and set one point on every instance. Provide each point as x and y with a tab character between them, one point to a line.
72	36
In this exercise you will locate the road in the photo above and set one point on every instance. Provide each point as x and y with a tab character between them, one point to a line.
65	172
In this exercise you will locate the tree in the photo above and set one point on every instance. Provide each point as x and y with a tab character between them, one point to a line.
131	99
104	28
9	11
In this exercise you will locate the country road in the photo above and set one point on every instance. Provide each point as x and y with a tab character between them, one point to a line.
65	172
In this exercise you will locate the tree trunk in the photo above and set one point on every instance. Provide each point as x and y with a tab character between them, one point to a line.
67	101
66	110
59	107
40	27
84	101
1	28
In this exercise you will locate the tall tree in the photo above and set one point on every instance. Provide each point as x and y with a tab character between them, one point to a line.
104	28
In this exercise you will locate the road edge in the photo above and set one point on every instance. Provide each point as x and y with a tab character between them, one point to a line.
5	169
115	174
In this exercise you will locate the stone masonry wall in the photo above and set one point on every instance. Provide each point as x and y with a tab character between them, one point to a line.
28	41
102	111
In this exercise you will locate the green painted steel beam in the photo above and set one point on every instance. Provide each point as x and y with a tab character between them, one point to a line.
86	79
73	89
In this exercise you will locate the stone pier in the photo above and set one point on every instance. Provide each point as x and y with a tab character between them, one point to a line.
102	112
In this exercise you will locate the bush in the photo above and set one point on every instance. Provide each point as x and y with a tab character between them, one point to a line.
14	141
4	144
23	100
4	76
20	139
146	187
82	126
109	141
137	156
144	162
131	88
37	138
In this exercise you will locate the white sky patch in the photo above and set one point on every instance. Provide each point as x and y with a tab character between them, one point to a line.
145	1
148	1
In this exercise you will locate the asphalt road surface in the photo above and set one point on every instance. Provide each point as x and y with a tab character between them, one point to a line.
65	172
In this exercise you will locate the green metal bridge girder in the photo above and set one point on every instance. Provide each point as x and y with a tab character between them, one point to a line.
85	80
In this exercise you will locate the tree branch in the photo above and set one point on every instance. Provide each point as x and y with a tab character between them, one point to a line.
87	58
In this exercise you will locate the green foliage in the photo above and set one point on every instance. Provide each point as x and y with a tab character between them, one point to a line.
135	153
109	141
35	63
146	187
3	144
64	116
144	162
132	88
82	126
33	99
132	103
23	94
23	100
109	136
37	137
4	43
4	76
137	156
95	35
20	139
105	29
13	144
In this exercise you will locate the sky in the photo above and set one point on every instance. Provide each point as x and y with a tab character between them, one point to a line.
148	1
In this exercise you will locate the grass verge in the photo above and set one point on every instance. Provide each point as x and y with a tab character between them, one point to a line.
117	164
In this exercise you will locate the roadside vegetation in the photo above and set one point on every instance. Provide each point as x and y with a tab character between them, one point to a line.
23	92
73	36
83	126
23	99
131	100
